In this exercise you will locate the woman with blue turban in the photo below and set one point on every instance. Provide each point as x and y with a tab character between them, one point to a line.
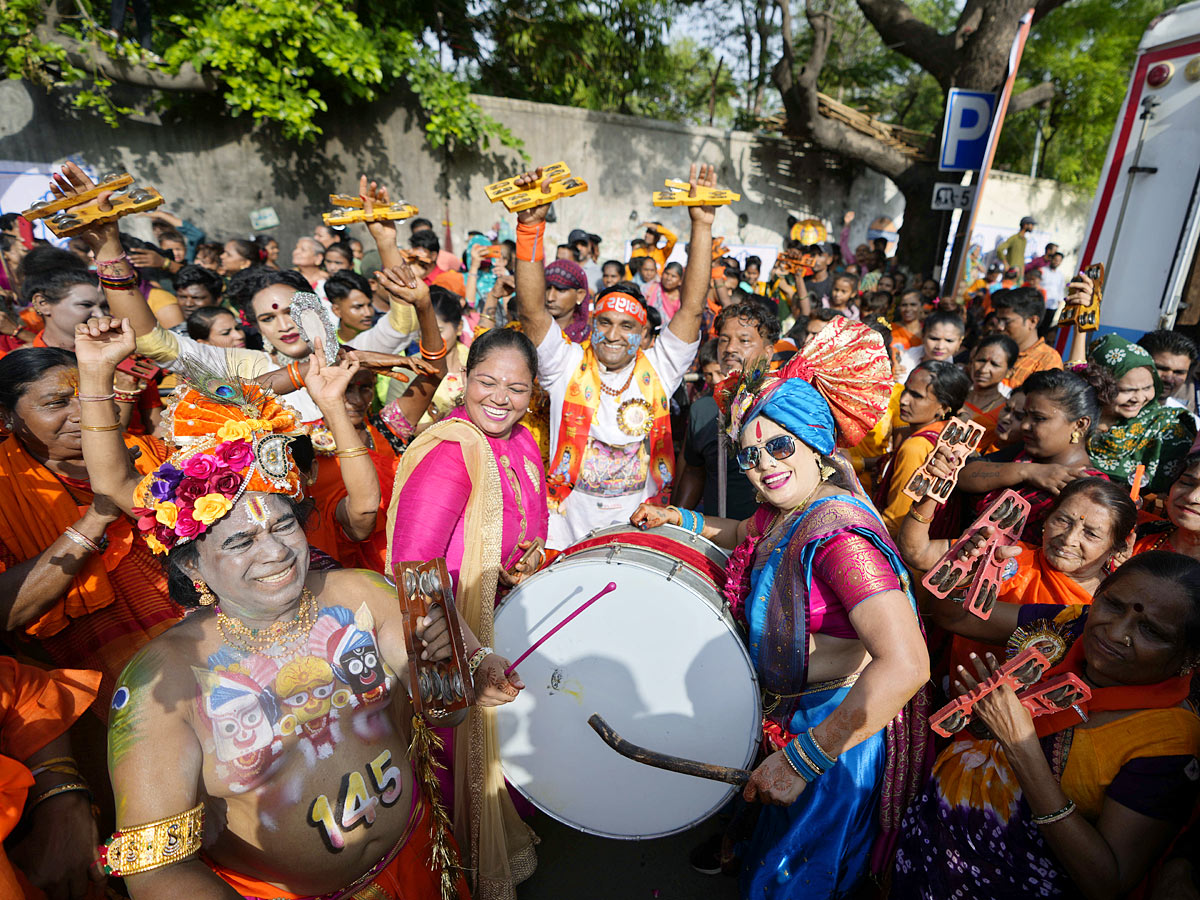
832	626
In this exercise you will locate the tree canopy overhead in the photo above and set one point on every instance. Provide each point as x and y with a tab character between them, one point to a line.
282	62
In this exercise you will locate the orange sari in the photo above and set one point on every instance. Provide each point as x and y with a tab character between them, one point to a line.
35	708
118	602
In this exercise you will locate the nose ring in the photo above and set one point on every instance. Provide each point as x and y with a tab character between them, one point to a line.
1128	641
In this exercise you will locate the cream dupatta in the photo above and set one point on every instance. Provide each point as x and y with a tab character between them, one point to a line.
492	838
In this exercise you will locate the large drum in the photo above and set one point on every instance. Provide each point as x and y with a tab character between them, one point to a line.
660	658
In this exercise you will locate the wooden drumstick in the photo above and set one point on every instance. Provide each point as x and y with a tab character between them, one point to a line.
738	777
611	586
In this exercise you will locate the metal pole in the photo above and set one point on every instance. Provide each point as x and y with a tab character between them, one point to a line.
1148	106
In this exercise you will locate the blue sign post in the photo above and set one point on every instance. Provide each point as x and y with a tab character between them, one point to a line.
965	130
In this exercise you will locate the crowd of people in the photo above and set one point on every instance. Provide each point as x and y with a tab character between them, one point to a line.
202	495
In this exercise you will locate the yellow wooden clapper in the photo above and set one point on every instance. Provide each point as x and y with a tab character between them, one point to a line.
558	190
559	171
1086	318
350	210
70	215
705	196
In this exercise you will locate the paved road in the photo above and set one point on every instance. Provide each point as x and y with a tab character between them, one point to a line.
584	867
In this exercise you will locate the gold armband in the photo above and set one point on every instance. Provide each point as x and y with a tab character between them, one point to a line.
153	845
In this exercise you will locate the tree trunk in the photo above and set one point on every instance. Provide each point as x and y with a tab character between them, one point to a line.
974	56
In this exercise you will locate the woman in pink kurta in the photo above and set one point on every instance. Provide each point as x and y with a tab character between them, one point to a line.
430	518
472	489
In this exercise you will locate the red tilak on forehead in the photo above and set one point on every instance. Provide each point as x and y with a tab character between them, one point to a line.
274	306
758	429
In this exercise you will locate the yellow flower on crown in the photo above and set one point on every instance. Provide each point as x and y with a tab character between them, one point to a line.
167	513
211	507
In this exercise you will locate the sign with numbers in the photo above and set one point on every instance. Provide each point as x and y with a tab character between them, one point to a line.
947	195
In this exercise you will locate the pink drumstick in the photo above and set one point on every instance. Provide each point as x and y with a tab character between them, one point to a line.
611	586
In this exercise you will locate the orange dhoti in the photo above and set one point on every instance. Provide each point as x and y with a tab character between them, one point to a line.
405	874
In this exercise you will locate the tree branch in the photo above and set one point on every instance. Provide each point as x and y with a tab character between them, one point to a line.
93	59
1043	8
1039	93
904	32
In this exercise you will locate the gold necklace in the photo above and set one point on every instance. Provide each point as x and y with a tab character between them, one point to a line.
275	639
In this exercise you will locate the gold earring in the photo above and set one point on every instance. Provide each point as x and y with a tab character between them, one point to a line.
207	597
826	472
1074	437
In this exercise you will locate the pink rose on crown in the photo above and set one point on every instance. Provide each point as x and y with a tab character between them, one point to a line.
187	527
190	490
202	465
235	454
226	482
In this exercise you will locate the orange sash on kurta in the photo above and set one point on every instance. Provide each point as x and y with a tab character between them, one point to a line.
583	398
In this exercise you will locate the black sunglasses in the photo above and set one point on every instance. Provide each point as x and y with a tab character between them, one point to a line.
779	447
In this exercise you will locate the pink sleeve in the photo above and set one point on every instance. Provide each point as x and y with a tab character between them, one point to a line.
431	504
854	568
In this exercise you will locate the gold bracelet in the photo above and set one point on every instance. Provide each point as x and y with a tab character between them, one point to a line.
61	789
153	845
353	451
924	520
113	427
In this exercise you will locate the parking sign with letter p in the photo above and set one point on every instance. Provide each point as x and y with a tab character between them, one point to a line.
965	129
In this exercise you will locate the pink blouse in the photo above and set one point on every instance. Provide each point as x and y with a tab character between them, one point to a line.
430	512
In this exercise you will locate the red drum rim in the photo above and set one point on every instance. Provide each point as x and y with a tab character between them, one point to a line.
689	556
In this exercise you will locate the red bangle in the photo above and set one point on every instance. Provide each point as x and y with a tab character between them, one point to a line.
293	371
530	244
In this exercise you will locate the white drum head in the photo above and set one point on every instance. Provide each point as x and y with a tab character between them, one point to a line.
658	660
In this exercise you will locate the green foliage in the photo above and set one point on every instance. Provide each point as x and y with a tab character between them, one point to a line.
1087	49
282	62
611	55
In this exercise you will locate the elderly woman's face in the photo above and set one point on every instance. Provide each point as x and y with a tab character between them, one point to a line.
1077	538
46	417
255	558
1135	631
1134	390
785	483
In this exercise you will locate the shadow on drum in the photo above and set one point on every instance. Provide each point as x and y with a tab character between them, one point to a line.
704	710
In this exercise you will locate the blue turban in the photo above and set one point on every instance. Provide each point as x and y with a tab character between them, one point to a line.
797	406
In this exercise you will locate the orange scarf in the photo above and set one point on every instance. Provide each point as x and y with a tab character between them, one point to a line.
35	510
580	405
1162	695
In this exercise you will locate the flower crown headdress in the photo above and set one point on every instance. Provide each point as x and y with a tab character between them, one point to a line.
232	436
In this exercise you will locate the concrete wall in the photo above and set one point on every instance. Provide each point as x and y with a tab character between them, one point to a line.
1061	212
218	170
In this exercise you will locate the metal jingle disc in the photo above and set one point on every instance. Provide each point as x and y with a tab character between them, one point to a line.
140	196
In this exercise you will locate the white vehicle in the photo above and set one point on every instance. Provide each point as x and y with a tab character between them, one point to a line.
1145	219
